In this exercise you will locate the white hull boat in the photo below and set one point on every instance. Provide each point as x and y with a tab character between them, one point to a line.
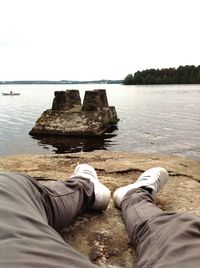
10	94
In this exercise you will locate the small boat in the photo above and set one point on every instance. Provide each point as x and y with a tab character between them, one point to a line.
10	94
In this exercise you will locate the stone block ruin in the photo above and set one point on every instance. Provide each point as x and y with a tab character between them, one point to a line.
69	117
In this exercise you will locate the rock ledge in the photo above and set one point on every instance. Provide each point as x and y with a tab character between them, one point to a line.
102	236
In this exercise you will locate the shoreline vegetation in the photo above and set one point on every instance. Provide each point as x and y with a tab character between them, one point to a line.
69	82
188	74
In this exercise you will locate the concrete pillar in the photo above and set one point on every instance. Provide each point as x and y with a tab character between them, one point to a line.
65	100
95	100
103	97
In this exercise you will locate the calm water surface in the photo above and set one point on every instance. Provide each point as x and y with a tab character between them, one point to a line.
153	119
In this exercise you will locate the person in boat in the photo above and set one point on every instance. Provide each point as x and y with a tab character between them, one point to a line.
32	215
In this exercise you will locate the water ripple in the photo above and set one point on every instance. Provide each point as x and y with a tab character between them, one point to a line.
153	119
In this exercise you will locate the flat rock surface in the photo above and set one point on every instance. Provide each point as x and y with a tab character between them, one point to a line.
101	235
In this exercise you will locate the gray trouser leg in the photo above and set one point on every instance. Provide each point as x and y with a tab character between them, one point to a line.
63	201
161	239
29	215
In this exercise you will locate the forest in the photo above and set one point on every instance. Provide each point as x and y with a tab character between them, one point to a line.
188	74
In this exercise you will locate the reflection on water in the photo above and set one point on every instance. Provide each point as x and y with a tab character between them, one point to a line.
153	119
75	144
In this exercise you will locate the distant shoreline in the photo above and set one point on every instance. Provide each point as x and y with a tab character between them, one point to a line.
62	82
188	74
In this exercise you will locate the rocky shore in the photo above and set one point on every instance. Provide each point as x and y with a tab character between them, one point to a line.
102	236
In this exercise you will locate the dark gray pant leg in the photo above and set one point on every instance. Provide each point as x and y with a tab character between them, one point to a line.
27	209
161	239
63	201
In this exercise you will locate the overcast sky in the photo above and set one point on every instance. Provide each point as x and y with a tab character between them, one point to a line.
95	39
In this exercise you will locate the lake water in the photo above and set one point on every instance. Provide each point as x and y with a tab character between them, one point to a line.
153	119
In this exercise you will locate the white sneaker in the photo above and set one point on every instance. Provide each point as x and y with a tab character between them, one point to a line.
154	178
101	192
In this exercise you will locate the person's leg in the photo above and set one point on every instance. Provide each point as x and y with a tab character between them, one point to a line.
63	201
28	209
161	239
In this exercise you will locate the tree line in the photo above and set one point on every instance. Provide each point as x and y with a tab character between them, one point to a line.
188	74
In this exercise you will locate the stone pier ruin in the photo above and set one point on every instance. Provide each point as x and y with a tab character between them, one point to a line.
69	117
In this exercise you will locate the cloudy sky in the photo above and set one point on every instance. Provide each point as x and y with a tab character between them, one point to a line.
95	39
